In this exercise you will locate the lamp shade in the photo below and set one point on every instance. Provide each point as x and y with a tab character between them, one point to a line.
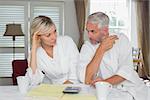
13	30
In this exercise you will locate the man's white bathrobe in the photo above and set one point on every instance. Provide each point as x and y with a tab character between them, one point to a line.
116	61
58	69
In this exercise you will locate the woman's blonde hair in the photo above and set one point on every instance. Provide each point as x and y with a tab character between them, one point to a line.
41	24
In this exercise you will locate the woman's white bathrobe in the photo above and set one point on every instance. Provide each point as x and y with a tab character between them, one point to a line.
58	69
116	61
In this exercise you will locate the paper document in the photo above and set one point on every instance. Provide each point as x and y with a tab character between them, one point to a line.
54	92
47	90
78	97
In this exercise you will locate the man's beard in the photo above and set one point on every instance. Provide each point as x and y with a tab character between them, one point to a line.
94	42
98	40
101	38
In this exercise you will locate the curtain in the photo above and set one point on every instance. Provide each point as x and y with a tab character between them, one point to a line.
143	31
81	6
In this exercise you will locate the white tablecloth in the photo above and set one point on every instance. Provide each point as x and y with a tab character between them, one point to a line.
12	93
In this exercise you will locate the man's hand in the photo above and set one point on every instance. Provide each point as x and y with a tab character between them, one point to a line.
108	42
93	66
114	80
96	80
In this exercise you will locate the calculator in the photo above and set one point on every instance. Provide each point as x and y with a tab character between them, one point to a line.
72	90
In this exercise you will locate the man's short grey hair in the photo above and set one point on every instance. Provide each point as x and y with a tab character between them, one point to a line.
99	18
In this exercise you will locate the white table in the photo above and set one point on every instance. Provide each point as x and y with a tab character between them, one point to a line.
12	93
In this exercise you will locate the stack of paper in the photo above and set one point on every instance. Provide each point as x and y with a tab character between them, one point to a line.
46	90
54	92
78	97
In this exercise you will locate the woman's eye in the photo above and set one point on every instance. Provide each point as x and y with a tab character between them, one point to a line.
48	35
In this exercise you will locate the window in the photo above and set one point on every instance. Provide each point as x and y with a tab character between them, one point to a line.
22	13
52	10
118	12
10	14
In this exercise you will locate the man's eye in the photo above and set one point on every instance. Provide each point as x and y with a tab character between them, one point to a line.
92	31
55	31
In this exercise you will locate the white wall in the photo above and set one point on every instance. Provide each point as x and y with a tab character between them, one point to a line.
134	37
71	27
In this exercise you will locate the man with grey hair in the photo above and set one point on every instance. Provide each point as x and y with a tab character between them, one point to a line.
108	57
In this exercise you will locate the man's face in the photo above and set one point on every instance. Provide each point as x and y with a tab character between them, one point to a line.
95	33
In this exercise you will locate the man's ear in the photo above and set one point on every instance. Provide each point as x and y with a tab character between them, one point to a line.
105	29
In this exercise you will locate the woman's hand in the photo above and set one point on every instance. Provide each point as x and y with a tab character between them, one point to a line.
36	40
35	45
108	42
67	82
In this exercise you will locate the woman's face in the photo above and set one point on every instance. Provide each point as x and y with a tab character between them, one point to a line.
49	38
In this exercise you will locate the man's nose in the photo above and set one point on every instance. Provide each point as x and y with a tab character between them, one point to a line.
89	34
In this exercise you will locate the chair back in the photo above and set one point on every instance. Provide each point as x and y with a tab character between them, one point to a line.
19	69
138	62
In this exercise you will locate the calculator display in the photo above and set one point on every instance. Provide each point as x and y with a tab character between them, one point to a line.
71	89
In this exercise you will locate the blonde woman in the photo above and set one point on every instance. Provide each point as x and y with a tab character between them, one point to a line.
52	58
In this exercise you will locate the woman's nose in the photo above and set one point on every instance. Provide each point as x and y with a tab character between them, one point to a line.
54	35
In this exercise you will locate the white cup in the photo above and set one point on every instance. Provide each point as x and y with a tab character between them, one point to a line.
102	90
23	84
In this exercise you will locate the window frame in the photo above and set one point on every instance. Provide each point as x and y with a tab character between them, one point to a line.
127	26
18	49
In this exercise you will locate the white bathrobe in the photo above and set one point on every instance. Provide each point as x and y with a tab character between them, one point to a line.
58	69
116	61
